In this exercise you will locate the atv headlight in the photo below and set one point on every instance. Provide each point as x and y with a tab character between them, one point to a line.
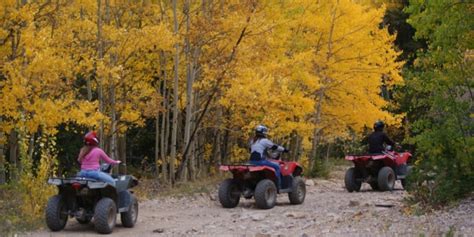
54	181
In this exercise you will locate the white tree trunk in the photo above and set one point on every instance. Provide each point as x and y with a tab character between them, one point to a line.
174	132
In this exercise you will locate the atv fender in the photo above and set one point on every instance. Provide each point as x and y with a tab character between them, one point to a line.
97	185
240	171
125	182
403	158
124	200
110	192
290	168
287	181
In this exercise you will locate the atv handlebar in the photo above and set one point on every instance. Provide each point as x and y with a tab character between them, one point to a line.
106	167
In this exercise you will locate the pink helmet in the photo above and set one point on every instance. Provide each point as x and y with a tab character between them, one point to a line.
91	139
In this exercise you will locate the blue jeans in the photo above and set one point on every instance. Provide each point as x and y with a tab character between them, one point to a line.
98	175
271	164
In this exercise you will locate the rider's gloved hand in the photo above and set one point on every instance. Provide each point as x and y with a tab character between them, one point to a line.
286	151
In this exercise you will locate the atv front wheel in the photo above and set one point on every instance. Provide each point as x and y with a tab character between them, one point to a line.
105	215
56	213
229	193
298	193
386	179
129	218
350	180
265	194
404	181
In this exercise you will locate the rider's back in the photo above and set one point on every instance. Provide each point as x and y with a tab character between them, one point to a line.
376	141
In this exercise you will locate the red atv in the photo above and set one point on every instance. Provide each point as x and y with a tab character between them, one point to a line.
260	182
379	170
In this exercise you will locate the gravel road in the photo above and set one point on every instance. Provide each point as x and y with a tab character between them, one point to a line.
329	210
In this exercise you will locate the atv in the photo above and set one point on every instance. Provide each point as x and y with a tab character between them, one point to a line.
87	199
379	170
260	182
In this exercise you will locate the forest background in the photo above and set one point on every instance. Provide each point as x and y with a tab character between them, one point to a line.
175	88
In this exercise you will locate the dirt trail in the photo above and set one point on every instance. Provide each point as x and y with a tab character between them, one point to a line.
328	210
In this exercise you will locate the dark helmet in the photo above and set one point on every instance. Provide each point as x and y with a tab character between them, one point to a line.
91	139
261	130
379	125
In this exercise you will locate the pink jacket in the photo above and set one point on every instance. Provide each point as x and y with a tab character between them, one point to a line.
91	160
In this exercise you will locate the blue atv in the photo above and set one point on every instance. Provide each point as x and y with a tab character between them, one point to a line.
89	200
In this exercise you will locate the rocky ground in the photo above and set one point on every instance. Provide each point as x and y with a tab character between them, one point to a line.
329	210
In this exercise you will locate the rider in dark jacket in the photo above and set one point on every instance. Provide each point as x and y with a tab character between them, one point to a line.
378	138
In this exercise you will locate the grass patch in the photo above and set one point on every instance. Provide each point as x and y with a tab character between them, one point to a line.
151	188
324	167
12	220
451	232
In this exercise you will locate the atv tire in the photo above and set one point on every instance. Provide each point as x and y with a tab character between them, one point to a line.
298	193
265	194
229	193
105	215
56	213
386	179
350	180
129	218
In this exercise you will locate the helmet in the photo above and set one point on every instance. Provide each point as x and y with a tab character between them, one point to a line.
91	139
261	130
379	125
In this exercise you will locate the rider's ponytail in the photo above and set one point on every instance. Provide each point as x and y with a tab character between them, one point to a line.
84	151
257	137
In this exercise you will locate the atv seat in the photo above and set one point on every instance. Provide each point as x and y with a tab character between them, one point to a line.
77	177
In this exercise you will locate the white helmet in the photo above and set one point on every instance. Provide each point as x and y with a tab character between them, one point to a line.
261	129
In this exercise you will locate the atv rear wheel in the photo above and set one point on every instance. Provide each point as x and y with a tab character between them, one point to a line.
298	193
265	194
386	179
350	180
105	215
229	193
129	218
56	213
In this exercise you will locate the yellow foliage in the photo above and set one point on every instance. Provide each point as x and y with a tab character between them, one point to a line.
307	56
238	154
34	189
45	58
304	161
295	66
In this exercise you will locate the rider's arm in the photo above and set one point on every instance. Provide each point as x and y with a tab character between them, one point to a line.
387	140
106	158
270	145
